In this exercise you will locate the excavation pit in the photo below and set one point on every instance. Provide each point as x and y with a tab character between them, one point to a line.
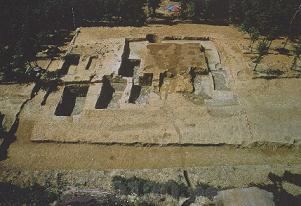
152	38
128	67
91	63
72	101
111	92
70	60
106	94
135	93
146	79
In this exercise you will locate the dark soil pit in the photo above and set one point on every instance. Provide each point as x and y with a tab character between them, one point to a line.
91	63
71	59
152	38
146	79
128	67
106	94
72	101
111	93
135	93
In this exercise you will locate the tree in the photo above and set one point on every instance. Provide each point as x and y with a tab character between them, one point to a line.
27	25
262	49
153	5
184	8
1	126
291	24
264	14
272	35
254	36
235	11
297	54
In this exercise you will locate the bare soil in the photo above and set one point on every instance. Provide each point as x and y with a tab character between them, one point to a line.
24	155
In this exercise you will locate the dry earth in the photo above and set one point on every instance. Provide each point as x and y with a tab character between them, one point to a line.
271	108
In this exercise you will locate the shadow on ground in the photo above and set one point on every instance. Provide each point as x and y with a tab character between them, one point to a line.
177	190
144	192
34	195
281	196
8	138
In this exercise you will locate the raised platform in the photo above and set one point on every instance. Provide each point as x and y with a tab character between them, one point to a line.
113	93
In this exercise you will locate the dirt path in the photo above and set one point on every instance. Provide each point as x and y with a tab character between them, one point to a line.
24	154
50	156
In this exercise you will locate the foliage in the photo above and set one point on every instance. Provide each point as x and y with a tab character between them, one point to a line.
152	6
265	15
262	49
25	25
269	17
205	9
1	125
184	8
297	50
254	36
296	53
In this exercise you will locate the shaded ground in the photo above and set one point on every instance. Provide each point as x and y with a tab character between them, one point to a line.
148	187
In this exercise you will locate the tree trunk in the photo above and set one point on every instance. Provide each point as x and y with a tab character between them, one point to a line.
290	25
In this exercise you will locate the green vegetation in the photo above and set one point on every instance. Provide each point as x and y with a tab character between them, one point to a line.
265	15
28	25
204	9
254	36
297	54
1	125
152	6
262	49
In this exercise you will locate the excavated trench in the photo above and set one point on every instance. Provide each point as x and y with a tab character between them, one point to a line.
106	94
72	101
135	93
128	67
70	60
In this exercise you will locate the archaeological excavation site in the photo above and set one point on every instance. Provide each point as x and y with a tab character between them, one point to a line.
152	90
176	110
173	109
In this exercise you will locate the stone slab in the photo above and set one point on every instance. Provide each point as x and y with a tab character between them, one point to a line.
245	196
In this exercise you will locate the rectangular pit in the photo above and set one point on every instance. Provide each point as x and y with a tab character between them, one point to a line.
146	79
111	93
128	67
72	101
139	94
91	63
70	60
